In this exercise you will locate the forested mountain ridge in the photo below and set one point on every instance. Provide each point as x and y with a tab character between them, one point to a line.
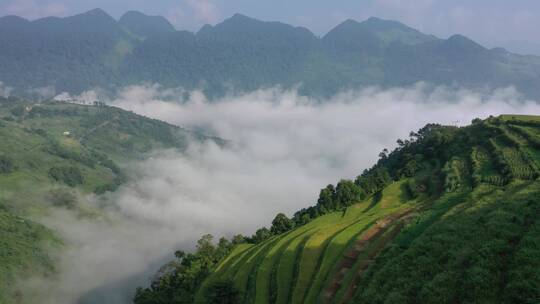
446	217
145	26
53	155
92	50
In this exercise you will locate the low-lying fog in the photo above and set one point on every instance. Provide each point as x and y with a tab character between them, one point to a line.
283	149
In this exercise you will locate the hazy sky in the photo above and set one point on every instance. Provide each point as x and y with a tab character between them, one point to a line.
512	24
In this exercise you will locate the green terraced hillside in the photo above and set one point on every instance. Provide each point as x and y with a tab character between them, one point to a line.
450	216
53	154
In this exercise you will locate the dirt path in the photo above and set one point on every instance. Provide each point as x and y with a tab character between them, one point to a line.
361	247
103	124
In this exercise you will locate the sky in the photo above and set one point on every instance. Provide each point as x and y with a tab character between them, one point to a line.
510	24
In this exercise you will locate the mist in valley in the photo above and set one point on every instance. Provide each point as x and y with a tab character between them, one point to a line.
282	148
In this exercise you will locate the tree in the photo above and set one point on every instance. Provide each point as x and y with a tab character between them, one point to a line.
62	198
281	224
70	175
7	165
476	121
384	154
179	254
18	110
260	235
238	239
223	248
347	193
326	198
222	292
206	249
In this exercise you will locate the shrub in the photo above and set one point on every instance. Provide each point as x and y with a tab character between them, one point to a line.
222	292
110	187
7	165
62	198
69	175
281	224
18	110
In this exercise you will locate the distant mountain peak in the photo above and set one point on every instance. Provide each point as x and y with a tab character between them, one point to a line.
132	13
13	18
238	16
96	15
349	22
10	21
375	29
459	38
144	25
239	19
97	12
463	42
205	29
373	19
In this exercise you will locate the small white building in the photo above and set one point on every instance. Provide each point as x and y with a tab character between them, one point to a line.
66	133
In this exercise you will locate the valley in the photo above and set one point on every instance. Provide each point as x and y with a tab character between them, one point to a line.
409	225
269	152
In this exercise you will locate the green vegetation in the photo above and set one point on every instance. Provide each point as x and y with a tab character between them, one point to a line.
71	176
53	154
244	54
7	164
182	277
450	216
23	252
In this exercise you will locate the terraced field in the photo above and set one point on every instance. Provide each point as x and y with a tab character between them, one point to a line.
344	255
294	267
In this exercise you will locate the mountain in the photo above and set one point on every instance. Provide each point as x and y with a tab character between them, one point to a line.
92	50
372	36
240	53
144	26
68	54
53	154
445	217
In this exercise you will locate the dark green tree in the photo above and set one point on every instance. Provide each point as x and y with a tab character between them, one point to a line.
347	193
281	224
70	175
326	197
222	292
260	235
7	165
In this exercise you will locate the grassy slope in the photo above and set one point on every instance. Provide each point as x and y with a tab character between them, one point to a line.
329	234
22	250
478	232
25	193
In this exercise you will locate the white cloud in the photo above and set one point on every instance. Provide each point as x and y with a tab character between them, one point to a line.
86	97
204	10
5	90
42	92
192	14
283	149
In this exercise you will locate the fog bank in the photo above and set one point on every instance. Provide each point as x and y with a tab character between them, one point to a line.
283	149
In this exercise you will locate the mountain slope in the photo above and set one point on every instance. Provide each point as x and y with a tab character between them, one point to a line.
145	26
53	155
240	53
448	216
90	50
67	54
